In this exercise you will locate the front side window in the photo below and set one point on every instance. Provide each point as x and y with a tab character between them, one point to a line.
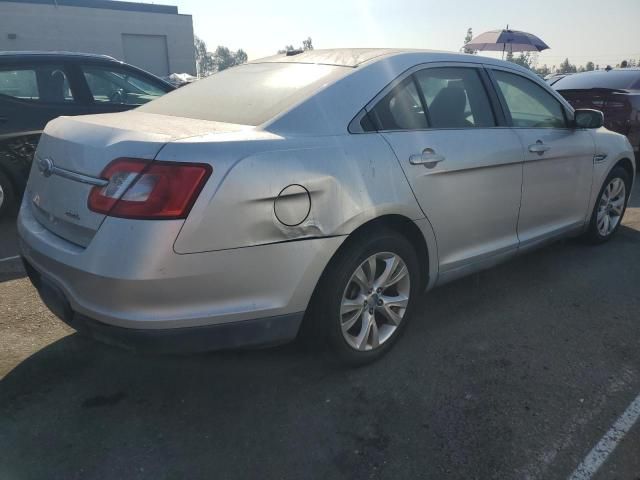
529	104
400	109
115	86
455	98
41	83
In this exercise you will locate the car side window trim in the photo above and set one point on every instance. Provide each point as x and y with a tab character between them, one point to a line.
501	122
61	66
499	112
567	113
423	101
84	67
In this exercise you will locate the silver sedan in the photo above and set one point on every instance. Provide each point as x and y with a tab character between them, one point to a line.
312	194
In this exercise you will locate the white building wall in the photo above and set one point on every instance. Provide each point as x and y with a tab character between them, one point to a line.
94	30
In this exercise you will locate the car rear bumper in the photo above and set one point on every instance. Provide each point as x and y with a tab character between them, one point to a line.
138	286
248	333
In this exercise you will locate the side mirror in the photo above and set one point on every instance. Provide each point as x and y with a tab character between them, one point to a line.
587	118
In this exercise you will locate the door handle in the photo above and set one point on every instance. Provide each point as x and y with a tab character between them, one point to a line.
429	158
539	148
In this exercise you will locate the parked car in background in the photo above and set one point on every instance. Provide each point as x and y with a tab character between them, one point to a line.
554	77
615	92
36	87
319	192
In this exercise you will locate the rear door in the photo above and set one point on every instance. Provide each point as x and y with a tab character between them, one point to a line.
463	166
558	166
115	88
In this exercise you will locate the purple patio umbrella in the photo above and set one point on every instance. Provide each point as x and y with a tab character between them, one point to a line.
507	41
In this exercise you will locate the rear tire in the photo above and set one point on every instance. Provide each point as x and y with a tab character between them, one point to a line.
365	298
610	207
7	195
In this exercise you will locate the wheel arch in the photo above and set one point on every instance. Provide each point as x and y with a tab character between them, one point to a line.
425	250
407	228
627	164
400	224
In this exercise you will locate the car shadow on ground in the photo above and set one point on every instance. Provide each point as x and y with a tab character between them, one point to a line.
482	376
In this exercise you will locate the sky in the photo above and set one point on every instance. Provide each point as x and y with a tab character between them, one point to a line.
604	32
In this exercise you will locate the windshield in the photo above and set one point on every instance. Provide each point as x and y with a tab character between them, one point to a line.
614	79
248	95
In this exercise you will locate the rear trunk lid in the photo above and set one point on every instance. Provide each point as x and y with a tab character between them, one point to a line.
73	151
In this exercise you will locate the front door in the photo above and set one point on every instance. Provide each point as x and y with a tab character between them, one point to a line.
465	170
558	166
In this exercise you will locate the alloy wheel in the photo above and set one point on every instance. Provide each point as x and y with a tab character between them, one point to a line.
611	206
375	301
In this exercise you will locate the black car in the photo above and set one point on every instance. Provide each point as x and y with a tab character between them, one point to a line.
36	87
615	92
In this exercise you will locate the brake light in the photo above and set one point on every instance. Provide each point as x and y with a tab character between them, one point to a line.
142	189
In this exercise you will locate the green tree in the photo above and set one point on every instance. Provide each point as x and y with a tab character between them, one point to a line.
567	67
241	57
589	67
543	71
306	45
467	39
525	59
224	58
204	64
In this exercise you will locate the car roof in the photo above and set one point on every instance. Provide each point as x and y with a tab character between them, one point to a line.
612	78
354	57
36	53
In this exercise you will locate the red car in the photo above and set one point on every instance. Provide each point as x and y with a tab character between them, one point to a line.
615	92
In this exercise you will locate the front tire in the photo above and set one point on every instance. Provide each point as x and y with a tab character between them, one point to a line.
610	206
366	297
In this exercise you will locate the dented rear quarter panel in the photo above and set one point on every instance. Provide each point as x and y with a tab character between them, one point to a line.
351	179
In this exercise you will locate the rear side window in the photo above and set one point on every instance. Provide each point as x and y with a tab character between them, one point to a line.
42	84
400	109
122	87
455	98
529	104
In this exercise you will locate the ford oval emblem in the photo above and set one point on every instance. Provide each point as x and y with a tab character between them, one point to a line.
45	165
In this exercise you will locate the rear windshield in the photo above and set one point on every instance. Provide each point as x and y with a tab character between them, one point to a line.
614	79
248	95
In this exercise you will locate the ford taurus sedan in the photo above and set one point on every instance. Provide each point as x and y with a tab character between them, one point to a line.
314	194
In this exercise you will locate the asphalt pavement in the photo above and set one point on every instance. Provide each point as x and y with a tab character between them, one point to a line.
513	373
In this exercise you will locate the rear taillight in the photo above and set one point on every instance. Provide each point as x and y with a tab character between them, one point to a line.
149	190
